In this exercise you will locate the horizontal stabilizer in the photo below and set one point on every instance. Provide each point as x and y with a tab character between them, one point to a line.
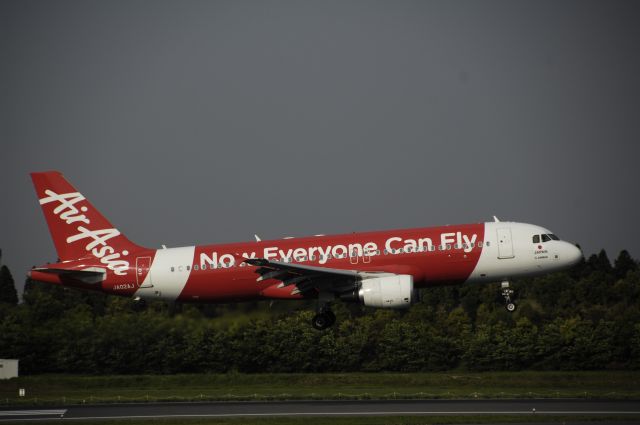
90	275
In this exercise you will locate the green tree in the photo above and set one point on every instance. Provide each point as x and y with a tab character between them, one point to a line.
634	360
8	293
624	264
600	262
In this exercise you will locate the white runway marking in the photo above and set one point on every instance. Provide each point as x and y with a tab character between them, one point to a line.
57	412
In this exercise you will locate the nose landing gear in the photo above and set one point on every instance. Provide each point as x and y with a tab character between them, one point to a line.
506	294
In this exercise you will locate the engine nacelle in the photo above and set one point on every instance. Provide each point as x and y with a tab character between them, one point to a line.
387	292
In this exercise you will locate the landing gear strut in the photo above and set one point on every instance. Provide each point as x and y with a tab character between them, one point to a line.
325	317
506	294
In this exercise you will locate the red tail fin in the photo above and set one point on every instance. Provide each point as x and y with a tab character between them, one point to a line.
77	227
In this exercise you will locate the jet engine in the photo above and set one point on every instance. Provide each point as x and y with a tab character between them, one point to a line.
392	291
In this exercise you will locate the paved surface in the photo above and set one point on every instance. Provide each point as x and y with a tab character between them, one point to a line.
332	408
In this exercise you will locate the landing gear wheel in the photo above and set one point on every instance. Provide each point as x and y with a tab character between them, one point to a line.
511	307
322	321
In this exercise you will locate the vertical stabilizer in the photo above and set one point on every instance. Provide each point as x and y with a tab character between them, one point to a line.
78	229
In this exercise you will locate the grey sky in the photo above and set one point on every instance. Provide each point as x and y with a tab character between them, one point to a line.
199	122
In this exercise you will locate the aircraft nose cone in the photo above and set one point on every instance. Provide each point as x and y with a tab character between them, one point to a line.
574	254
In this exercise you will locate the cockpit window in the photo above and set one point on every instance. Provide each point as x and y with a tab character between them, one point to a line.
546	238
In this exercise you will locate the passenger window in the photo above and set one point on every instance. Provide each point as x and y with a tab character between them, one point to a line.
195	267
173	269
448	246
545	238
479	244
487	243
188	268
536	239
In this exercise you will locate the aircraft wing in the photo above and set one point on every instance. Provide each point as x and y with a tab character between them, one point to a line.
306	278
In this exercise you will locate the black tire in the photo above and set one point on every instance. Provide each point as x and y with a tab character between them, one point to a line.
321	321
511	307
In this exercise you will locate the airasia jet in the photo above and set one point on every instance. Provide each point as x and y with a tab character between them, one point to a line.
378	269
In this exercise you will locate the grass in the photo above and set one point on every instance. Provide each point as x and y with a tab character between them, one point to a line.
71	389
378	420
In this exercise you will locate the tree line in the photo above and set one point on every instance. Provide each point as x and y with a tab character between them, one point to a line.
584	319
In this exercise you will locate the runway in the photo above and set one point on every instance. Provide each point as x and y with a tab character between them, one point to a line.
542	407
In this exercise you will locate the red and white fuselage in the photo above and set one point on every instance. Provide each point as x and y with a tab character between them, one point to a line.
95	255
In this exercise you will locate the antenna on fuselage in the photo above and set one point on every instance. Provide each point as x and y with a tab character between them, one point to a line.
496	219
257	238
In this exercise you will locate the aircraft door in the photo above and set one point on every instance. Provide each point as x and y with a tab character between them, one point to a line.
143	264
505	243
353	257
366	256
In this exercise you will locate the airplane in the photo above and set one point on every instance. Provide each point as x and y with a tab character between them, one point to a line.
380	269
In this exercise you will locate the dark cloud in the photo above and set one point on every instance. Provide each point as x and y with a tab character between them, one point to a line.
201	122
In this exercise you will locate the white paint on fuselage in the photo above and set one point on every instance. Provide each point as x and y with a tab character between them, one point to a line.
163	283
525	261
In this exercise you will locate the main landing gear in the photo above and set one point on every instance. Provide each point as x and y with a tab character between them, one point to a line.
324	318
506	294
